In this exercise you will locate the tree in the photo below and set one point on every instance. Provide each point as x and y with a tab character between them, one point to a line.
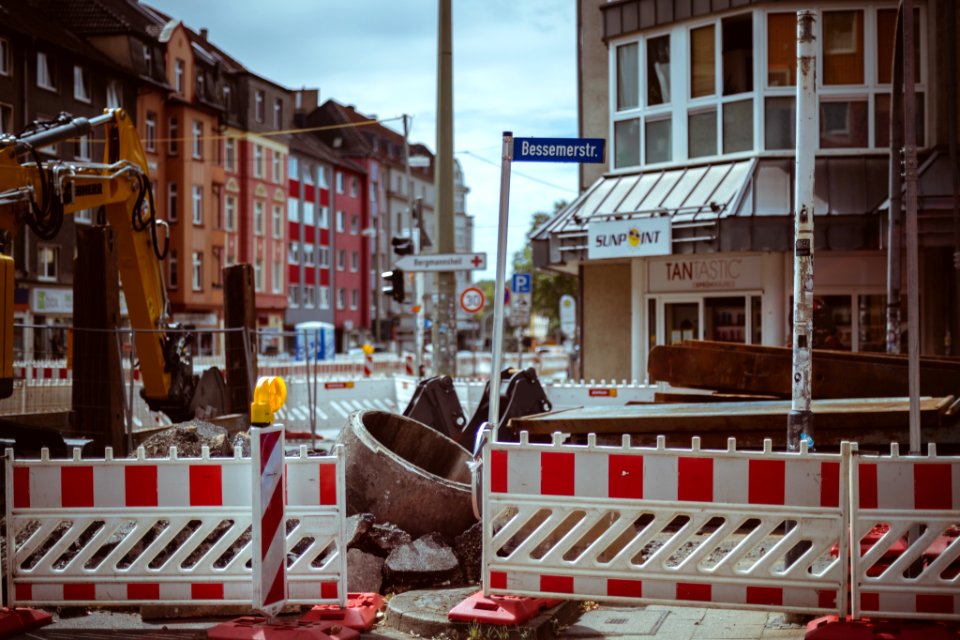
548	286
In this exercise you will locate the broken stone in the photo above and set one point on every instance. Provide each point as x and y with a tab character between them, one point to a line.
189	438
364	572
357	526
241	442
427	561
383	538
469	549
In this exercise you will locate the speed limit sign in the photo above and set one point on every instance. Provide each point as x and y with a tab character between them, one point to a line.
472	299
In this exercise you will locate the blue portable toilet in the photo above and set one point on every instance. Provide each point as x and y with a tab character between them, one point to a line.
317	337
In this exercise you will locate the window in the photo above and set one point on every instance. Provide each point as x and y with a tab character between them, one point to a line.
354	261
217	206
843	123
354	224
322	177
48	258
738	126
293	209
258	215
354	298
173	131
293	295
258	274
81	84
341	259
277	167
178	71
173	203
843	47
230	154
780	117
201	86
258	106
4	57
308	174
46	77
197	139
702	134
278	114
324	297
173	275
339	182
659	145
341	298
703	59
82	147
217	267
737	54
197	280
257	161
293	253
781	49
148	60
230	213
324	219
308	212
323	256
276	276
340	223
628	78
151	132
882	120
227	99
293	168
308	253
277	220
6	118
309	297
353	187
197	205
658	70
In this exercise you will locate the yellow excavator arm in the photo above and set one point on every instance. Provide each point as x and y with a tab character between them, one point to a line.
38	193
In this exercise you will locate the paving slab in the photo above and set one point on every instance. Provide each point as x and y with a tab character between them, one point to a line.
616	622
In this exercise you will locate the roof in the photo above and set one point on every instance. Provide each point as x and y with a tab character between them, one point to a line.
309	144
101	17
623	17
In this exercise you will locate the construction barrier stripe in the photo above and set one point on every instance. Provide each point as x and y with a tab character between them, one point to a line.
154	592
909	485
272	551
906	602
730	480
620	588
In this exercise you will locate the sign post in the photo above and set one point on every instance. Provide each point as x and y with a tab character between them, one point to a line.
568	315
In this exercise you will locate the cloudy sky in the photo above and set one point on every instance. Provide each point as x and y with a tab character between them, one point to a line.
514	65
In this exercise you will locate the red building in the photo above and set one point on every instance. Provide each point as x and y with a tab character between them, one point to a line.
349	205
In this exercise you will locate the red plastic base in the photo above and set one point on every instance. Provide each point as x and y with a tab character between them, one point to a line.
16	621
833	628
505	610
255	628
360	612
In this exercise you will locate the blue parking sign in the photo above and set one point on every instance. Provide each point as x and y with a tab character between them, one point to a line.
522	283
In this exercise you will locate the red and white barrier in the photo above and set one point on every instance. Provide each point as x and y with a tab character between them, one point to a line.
662	525
913	569
269	542
167	531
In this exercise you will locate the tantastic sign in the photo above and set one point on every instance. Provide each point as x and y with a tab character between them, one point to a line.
629	238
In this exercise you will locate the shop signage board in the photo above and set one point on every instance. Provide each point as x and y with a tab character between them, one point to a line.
713	273
634	238
588	150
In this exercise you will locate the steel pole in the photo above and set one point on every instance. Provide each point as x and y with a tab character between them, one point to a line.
913	267
895	217
800	420
493	417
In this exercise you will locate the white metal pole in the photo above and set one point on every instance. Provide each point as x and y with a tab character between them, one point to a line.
800	420
499	290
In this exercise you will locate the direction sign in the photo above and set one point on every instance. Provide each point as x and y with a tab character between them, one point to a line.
588	150
442	262
472	299
522	283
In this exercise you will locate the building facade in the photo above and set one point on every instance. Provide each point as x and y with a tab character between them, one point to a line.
697	104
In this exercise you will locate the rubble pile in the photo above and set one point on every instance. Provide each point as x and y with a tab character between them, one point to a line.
383	558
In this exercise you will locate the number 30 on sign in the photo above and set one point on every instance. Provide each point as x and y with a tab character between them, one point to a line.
472	300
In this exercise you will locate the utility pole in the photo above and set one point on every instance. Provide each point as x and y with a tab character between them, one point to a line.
895	217
416	212
800	419
444	314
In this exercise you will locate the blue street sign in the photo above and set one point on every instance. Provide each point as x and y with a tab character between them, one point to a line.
589	150
522	283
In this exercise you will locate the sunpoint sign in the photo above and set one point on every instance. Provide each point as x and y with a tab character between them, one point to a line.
629	238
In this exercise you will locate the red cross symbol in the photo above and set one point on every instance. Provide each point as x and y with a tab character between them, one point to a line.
477	261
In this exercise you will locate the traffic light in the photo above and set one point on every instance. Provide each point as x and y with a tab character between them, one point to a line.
393	284
402	246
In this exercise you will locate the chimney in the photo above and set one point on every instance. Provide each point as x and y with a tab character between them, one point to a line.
306	100
203	33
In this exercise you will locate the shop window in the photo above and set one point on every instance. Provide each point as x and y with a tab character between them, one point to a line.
779	123
702	62
738	126
843	124
725	319
658	70
628	94
881	134
872	325
832	322
658	144
843	47
781	49
737	54
702	128
626	137
48	262
681	321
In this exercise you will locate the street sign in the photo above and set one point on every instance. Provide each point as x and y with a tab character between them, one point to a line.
587	150
472	299
419	162
568	315
520	309
442	262
522	283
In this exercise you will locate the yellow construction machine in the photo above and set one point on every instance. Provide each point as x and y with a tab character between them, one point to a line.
38	193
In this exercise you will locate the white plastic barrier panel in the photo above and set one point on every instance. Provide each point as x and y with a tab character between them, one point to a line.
905	516
165	531
335	401
750	530
565	395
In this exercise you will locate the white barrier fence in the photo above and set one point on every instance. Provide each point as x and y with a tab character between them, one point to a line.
168	531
